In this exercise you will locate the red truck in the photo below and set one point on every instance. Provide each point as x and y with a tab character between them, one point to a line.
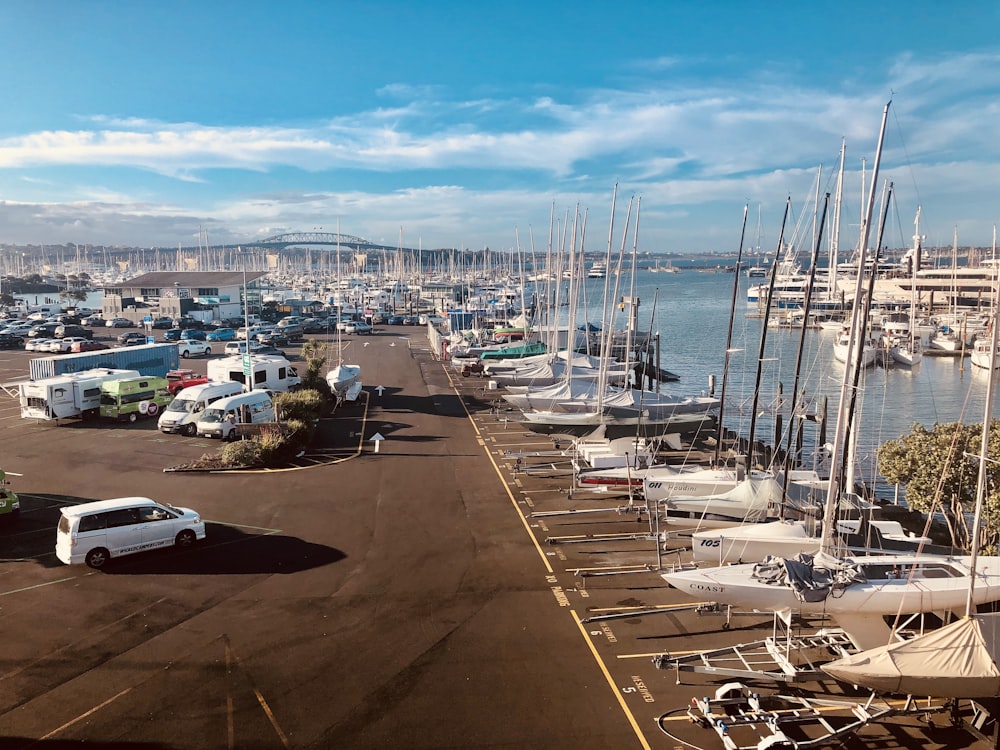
178	379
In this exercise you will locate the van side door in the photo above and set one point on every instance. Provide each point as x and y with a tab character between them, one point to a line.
124	535
157	525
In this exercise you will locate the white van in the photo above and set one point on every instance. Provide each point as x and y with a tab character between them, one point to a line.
182	414
93	533
220	419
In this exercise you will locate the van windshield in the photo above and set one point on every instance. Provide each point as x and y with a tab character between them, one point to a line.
185	405
211	415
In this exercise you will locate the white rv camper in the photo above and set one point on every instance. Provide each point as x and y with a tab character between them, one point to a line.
76	394
268	372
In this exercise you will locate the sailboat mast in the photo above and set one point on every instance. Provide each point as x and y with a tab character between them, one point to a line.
835	228
763	338
806	306
729	338
834	488
977	518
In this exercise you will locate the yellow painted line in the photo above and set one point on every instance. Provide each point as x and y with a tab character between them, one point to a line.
663	607
270	717
503	481
83	716
611	683
260	698
548	567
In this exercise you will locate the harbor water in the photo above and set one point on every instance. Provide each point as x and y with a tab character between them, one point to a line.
690	312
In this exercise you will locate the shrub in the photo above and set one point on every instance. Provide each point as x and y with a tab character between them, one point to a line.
243	453
303	404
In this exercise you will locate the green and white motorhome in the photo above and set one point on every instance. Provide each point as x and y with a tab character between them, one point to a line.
76	394
131	398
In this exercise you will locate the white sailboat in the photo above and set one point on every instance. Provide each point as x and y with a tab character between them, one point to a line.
984	349
857	592
344	380
907	350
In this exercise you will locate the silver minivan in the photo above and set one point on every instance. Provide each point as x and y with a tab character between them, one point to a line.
95	532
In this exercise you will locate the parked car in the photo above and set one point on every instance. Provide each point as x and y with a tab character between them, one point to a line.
193	348
161	323
271	350
273	338
10	341
178	380
174	334
240	347
40	344
222	334
118	323
43	330
186	322
394	320
411	320
193	334
316	325
359	327
138	336
19	328
65	344
93	320
88	345
66	330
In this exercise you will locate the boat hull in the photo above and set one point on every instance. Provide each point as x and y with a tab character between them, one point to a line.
938	584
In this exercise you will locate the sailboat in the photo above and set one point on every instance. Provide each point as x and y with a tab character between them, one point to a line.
859	591
984	349
344	380
958	660
907	350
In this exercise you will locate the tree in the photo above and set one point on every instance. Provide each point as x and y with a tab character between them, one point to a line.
76	295
940	470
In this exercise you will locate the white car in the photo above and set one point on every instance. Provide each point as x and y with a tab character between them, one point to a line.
38	345
118	323
240	347
94	533
191	348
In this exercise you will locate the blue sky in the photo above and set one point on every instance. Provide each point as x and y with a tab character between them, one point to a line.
464	124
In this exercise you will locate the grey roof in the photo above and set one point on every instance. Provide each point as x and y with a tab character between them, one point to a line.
166	279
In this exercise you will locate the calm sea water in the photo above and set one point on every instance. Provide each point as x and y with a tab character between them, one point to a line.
690	310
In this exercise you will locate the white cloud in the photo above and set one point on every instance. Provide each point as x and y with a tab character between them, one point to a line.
453	168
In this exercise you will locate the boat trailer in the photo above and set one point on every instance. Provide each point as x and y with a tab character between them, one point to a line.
739	715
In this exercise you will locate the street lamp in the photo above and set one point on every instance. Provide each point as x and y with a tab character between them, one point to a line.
247	362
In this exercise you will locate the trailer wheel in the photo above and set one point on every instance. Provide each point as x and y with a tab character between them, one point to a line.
132	417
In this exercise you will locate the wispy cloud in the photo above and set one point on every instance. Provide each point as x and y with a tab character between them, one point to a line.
455	167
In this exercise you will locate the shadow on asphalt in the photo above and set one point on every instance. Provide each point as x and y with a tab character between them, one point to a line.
226	550
10	743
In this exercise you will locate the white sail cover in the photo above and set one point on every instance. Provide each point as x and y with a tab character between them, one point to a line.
956	661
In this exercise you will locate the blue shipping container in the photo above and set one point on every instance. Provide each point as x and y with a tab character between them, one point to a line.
149	359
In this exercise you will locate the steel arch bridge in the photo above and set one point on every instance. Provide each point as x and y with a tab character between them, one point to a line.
290	239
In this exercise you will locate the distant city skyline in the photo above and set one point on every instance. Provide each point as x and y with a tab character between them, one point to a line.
446	124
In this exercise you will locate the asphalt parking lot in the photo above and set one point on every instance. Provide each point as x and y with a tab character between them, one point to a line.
437	593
